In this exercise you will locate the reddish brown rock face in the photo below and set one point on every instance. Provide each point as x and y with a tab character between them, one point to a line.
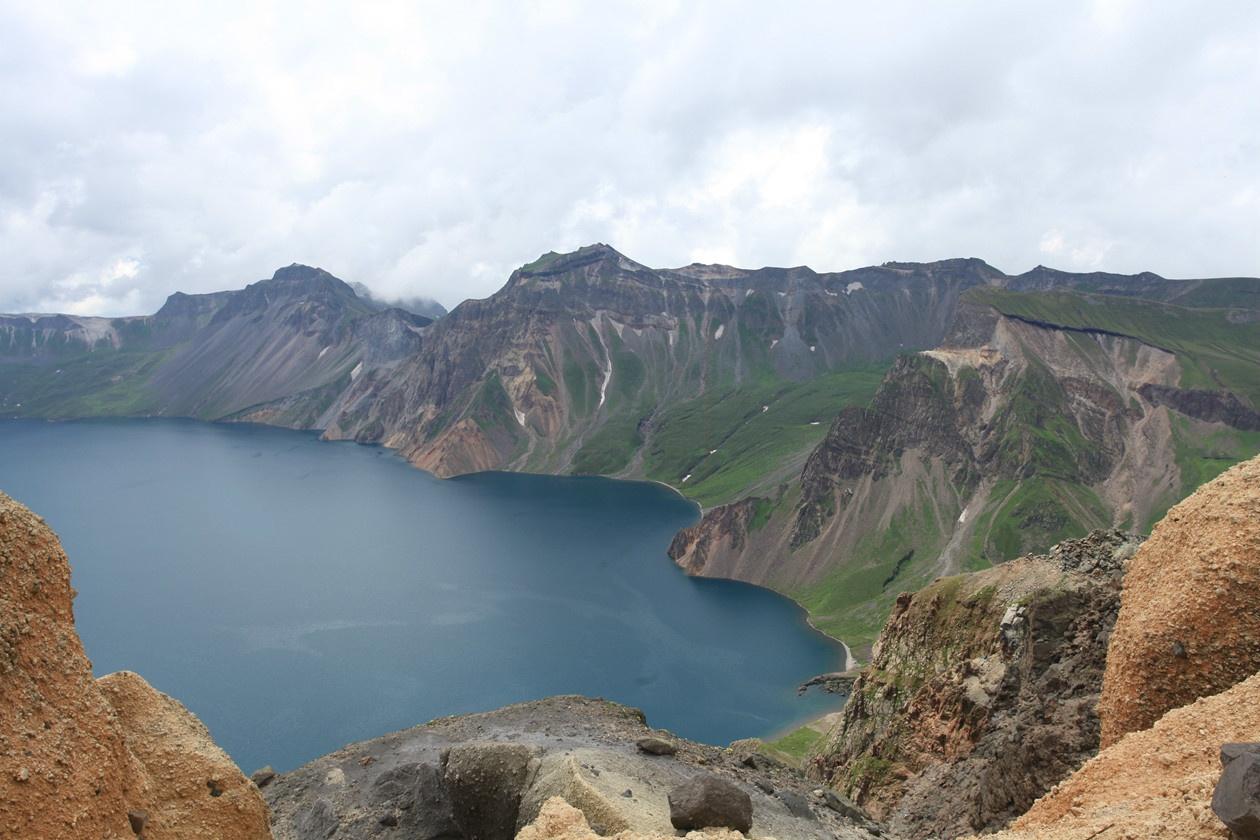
981	693
65	770
1188	624
83	758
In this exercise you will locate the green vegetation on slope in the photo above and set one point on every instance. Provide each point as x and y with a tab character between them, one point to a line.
852	602
1038	436
1202	456
756	429
102	383
798	743
1032	515
1215	351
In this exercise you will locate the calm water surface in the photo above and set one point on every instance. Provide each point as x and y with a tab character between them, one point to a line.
299	595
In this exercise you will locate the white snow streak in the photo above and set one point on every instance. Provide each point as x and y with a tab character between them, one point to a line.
603	386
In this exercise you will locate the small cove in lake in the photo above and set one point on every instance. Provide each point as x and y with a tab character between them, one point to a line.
299	595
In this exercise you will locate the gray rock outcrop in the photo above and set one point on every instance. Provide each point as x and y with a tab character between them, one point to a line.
487	776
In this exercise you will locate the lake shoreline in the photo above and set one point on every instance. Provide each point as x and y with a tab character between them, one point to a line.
311	574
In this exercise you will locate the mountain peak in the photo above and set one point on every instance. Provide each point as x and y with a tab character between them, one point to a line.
557	263
299	273
307	281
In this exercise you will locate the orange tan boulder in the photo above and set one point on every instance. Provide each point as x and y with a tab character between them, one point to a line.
1154	784
68	765
195	790
1188	625
558	820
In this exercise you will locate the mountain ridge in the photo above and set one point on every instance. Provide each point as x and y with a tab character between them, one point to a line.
894	421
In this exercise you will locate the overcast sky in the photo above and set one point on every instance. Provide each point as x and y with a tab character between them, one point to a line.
149	148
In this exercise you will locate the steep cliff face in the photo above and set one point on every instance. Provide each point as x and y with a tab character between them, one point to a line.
982	692
585	361
88	758
1014	433
1181	678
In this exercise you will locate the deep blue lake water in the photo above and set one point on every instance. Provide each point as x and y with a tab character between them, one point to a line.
298	595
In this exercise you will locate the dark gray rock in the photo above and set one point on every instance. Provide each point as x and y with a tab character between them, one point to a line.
415	797
843	807
138	820
708	801
403	776
485	781
762	762
655	746
263	776
1236	800
797	804
1231	751
318	822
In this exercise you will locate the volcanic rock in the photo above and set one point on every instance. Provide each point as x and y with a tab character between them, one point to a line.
1189	626
708	801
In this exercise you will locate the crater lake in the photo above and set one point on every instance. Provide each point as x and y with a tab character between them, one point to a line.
298	595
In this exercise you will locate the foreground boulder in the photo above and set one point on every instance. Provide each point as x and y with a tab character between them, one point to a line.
982	692
1154	784
88	759
1236	800
708	801
1189	624
194	789
558	820
490	775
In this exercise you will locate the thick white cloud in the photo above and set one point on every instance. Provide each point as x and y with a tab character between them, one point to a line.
429	150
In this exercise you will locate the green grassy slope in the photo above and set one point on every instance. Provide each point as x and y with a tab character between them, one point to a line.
103	383
1215	350
756	430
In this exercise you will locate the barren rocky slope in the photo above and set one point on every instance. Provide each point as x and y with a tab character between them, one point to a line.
82	758
488	775
1190	626
290	343
575	362
1153	784
1194	579
1016	432
981	693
